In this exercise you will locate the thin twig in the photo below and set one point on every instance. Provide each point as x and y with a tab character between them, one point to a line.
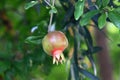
51	17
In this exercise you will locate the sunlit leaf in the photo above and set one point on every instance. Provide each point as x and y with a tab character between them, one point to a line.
102	20
114	18
87	17
116	2
30	4
79	7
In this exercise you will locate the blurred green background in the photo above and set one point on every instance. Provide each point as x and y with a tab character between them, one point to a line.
22	61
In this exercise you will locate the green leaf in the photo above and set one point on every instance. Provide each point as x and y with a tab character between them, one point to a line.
30	4
53	10
105	2
117	10
116	2
79	7
87	17
4	65
88	74
33	40
114	18
98	3
102	20
8	74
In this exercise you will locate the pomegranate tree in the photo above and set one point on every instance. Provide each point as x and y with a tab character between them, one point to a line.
54	43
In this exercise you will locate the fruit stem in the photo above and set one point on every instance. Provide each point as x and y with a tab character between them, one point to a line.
51	17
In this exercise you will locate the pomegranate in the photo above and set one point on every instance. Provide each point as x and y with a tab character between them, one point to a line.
54	43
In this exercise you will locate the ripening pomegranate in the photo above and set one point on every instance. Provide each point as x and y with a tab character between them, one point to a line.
54	43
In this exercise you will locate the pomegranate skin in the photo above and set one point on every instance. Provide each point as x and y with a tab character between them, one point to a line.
54	43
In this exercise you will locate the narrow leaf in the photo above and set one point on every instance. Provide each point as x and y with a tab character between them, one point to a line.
114	18
30	4
105	2
88	37
102	20
33	40
96	49
87	17
88	74
79	7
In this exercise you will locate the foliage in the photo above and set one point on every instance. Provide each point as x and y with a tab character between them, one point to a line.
21	32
